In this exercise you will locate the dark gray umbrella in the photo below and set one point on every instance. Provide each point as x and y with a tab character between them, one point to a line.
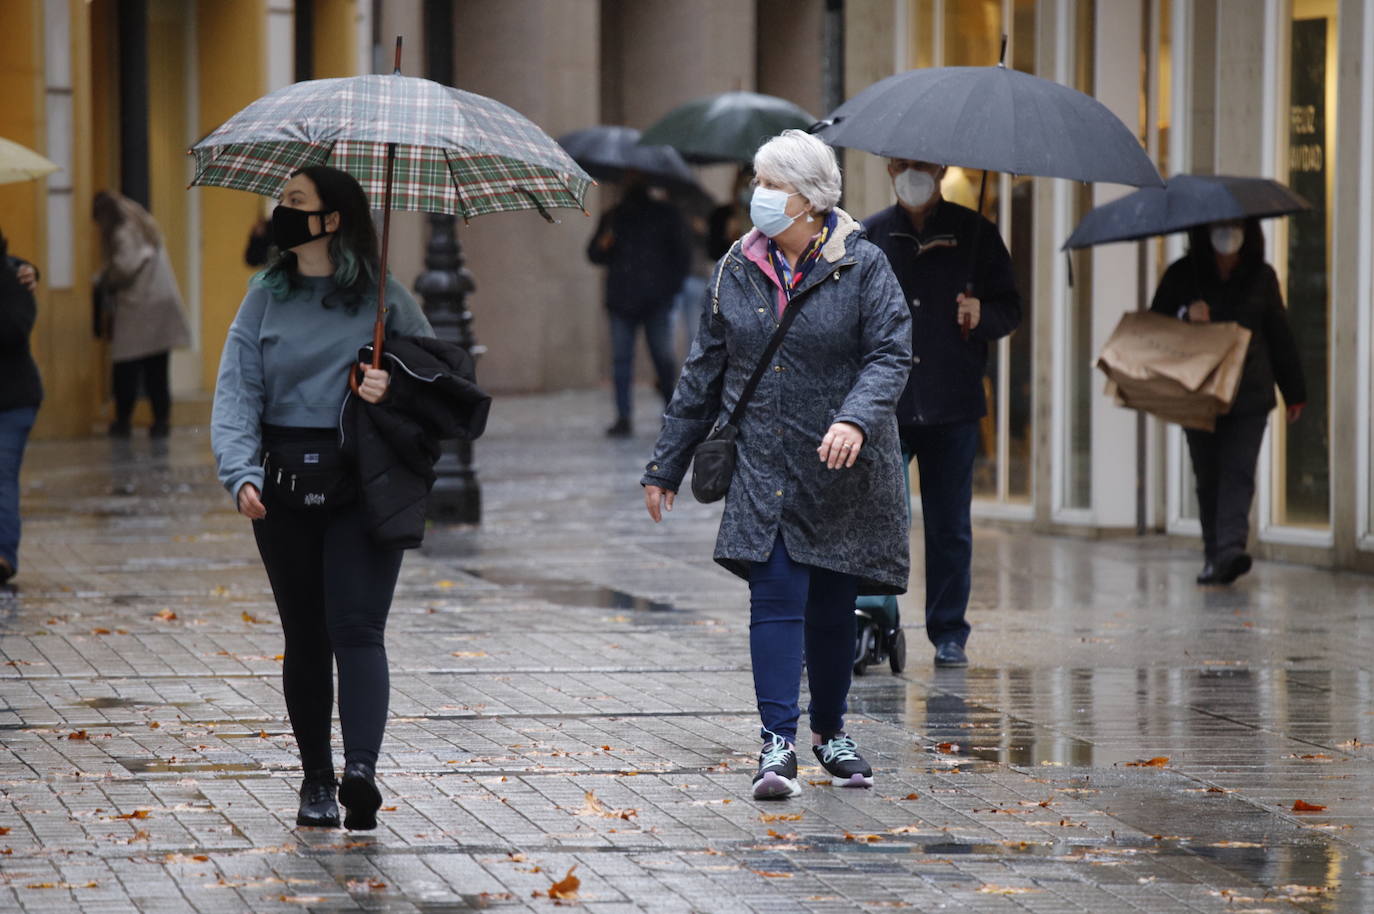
608	152
1184	202
995	119
728	127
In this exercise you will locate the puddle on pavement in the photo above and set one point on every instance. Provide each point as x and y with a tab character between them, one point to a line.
566	592
107	702
164	766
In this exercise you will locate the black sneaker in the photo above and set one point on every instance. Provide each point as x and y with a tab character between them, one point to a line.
621	429
840	758
777	777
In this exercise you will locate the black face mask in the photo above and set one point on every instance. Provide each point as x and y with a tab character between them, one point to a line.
291	227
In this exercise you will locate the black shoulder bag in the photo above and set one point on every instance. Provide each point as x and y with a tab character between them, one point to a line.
713	462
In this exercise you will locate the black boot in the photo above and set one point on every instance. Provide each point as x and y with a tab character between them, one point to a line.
317	799
360	796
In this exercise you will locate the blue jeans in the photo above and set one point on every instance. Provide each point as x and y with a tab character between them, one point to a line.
944	459
658	331
796	609
15	425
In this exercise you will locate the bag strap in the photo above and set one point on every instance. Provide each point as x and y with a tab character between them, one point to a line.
788	316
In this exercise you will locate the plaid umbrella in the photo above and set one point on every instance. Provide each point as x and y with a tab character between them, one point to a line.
456	152
414	143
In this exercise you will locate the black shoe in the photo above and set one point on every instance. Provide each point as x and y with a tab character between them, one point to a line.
1232	566
6	571
777	776
317	799
159	430
1208	574
359	795
840	758
119	430
951	653
621	429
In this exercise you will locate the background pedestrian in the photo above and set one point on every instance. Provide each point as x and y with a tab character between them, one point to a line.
644	245
21	393
1224	277
931	243
283	378
145	309
815	512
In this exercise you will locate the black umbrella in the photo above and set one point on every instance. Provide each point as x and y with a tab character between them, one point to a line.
608	152
728	127
995	119
1184	202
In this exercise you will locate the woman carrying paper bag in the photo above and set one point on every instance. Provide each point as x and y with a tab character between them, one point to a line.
1224	277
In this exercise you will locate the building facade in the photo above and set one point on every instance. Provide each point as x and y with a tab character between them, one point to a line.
1278	88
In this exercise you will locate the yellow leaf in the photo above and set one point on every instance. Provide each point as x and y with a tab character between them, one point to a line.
1159	761
780	817
566	888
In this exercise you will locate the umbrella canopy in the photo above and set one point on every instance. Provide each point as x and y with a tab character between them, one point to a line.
1184	202
608	152
20	163
995	119
455	151
728	127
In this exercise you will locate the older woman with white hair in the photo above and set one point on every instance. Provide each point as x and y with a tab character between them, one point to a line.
815	513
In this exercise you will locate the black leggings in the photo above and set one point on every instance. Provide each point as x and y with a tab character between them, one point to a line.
152	370
333	589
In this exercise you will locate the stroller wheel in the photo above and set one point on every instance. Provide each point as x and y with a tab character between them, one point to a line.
896	651
863	648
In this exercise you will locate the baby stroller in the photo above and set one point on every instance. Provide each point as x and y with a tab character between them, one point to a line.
880	638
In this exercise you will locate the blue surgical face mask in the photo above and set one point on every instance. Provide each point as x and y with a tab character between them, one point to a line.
768	210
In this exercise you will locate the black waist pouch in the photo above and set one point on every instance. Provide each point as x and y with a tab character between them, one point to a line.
308	473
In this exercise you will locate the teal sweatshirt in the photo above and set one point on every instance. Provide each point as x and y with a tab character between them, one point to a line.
286	362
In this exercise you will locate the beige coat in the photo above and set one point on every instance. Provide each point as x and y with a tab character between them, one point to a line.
142	294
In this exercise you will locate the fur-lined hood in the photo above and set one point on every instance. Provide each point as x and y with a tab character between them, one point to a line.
754	245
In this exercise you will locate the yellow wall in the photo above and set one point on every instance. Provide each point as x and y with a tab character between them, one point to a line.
21	120
169	131
335	38
231	52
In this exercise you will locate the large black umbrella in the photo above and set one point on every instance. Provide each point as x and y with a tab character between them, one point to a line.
728	127
1184	202
995	119
608	152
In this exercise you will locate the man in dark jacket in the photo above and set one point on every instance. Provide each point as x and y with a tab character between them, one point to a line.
645	246
939	250
21	392
1224	277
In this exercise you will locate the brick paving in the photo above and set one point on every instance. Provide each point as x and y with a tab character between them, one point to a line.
571	691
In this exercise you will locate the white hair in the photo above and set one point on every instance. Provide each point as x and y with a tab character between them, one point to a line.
804	161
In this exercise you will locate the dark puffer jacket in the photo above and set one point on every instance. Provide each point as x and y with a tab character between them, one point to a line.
1250	296
394	444
20	386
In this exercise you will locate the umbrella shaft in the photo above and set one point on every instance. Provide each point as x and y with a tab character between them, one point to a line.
379	330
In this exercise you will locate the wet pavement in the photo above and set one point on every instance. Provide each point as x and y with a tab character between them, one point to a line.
571	691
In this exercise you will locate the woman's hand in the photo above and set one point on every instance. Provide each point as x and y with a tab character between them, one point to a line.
1199	312
374	384
841	445
28	277
657	500
250	502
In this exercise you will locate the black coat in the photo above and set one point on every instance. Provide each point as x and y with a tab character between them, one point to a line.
20	386
648	258
1250	297
394	444
946	382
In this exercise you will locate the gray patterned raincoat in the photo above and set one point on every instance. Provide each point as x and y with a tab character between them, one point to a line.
845	359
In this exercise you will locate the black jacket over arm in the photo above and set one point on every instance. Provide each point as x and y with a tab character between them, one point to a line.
1250	297
20	386
946	381
394	444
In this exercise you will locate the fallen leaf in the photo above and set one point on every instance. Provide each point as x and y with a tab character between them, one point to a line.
301	899
219	591
153	725
136	814
469	654
4	830
780	817
1304	806
594	807
870	839
1351	744
1005	890
1309	757
250	618
77	734
1159	761
773	833
1236	844
911	796
444	585
947	748
772	875
140	835
100	631
904	830
166	615
566	888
